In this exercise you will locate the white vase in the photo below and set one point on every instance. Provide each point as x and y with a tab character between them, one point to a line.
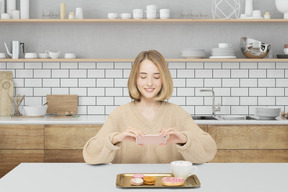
249	8
24	9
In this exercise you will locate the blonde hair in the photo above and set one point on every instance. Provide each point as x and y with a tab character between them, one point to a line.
167	83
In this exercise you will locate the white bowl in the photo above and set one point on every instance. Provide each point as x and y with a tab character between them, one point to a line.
35	110
30	55
267	112
233	117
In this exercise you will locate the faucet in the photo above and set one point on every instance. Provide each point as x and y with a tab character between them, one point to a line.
214	108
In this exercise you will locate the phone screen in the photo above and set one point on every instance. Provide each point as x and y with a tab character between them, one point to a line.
152	139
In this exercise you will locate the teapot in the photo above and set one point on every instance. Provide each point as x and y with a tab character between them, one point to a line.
17	50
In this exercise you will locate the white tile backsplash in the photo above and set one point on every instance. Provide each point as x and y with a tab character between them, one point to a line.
239	87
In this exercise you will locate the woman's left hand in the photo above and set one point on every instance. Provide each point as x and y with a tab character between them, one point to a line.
174	136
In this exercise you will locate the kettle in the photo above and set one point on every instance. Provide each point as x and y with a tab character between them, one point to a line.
16	47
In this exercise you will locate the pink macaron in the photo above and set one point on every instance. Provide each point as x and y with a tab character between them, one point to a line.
138	175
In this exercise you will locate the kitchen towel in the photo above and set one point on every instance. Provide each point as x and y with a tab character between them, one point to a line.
24	9
11	5
2	6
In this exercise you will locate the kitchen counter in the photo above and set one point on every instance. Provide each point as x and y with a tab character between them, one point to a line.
100	119
75	177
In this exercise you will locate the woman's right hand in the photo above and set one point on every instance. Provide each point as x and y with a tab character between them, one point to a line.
128	135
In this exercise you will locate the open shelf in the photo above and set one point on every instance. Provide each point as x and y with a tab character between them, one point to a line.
131	60
143	20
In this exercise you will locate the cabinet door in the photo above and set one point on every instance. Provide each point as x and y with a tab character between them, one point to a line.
21	136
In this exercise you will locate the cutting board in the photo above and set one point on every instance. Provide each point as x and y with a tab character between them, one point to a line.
6	90
60	104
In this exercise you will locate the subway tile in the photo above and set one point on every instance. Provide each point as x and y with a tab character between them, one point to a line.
266	82
194	101
179	82
60	74
275	92
60	91
266	101
78	73
125	91
257	91
212	65
286	73
212	83
248	101
281	65
33	100
69	83
260	73
122	100
96	91
51	82
195	82
105	65
105	83
230	65
248	65
82	110
266	65
209	101
96	110
222	91
15	65
221	73
113	74
275	73
18	83
87	65
230	82
121	82
3	65
24	74
286	91
203	110
42	91
239	92
239	110
186	73
281	82
174	65
173	73
79	91
248	82
87	100
113	92
198	93
69	65
45	73
33	82
126	73
174	93
98	73
282	101
178	100
123	65
185	91
109	109
203	73
87	82
224	110
105	100
230	101
188	109
51	65
194	65
33	65
241	73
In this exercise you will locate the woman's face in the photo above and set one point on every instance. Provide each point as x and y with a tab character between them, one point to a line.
149	82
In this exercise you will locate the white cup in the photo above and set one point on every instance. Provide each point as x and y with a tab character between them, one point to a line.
15	14
30	56
224	45
79	13
151	12
2	55
112	15
43	55
125	15
164	13
138	13
69	55
256	13
5	16
286	51
182	169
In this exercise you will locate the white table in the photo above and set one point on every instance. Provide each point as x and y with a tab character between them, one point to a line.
80	177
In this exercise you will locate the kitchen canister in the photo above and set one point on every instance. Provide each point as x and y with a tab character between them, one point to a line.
249	8
11	5
62	11
2	6
79	13
24	9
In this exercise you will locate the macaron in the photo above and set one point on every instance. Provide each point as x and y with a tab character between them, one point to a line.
148	180
136	181
138	175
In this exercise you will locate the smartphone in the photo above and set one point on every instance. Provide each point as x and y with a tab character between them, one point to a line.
151	139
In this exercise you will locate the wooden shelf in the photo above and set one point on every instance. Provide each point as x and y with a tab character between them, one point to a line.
143	20
131	60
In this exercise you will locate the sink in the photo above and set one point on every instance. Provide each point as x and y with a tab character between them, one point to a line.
203	118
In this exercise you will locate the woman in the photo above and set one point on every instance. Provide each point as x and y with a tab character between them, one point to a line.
149	84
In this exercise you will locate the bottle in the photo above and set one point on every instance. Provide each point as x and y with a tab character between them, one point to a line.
71	15
267	15
62	11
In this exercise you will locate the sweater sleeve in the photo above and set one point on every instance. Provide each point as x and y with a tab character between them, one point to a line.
99	149
200	146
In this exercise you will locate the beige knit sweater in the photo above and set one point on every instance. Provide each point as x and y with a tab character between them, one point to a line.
199	148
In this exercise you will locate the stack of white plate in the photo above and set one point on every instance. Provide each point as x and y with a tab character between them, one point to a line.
267	113
193	53
223	53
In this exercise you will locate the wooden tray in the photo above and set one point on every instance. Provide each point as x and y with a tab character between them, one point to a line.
123	181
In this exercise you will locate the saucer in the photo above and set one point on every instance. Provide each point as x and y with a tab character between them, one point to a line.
222	57
282	56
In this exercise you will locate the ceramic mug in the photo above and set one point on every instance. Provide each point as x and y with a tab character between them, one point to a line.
70	56
224	45
182	169
30	56
138	13
164	13
256	13
112	15
2	55
151	12
125	15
